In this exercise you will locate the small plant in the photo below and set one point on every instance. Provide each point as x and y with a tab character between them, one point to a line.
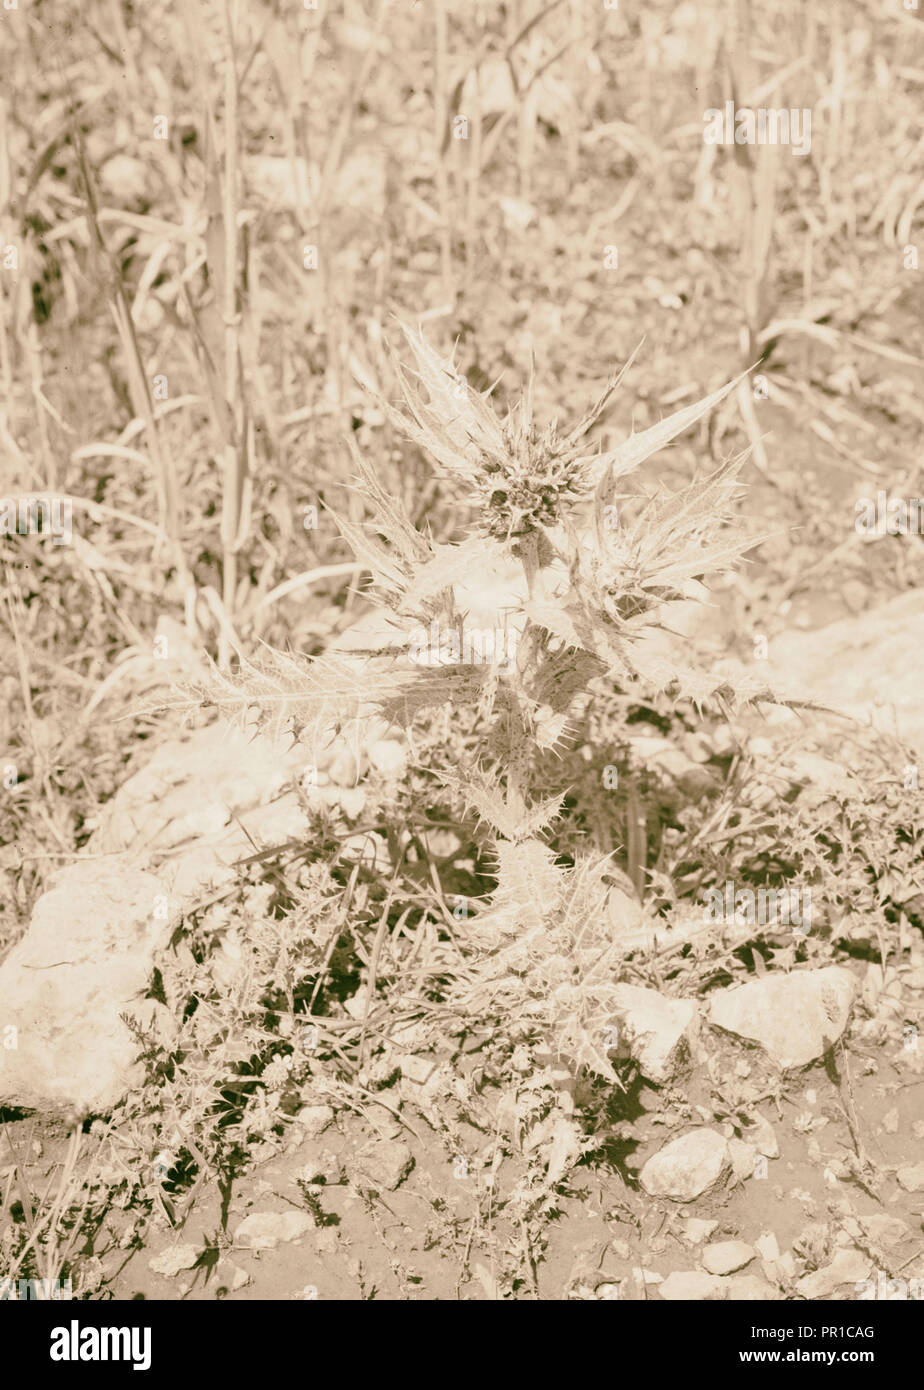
580	573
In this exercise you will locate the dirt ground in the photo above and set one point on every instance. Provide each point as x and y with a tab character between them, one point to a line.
497	1179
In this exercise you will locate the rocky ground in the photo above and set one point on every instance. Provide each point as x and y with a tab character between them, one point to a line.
178	896
765	1142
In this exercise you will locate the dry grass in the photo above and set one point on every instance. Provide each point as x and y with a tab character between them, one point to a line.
212	218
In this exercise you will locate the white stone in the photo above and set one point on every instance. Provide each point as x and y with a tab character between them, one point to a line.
848	1267
743	1159
314	1119
727	1256
170	1262
749	1288
389	756
262	1230
85	960
794	1017
220	767
861	665
382	1164
884	1230
656	1029
761	1135
911	1177
687	1167
692	1286
231	1276
695	1231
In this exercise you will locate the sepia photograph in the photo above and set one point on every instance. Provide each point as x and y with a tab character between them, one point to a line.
462	668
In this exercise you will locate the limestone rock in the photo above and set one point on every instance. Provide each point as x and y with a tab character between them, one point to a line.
657	1029
861	665
86	958
192	785
762	1136
911	1177
849	1266
749	1288
314	1119
691	1285
383	1165
885	1230
794	1017
696	1230
727	1256
743	1159
262	1230
170	1262
687	1167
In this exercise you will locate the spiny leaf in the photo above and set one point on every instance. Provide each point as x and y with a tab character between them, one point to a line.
488	800
451	564
683	683
281	691
391	570
639	447
449	420
391	577
582	627
528	881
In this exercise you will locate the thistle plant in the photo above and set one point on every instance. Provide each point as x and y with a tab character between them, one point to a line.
579	572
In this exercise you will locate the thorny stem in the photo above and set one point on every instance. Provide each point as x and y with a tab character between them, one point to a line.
517	724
